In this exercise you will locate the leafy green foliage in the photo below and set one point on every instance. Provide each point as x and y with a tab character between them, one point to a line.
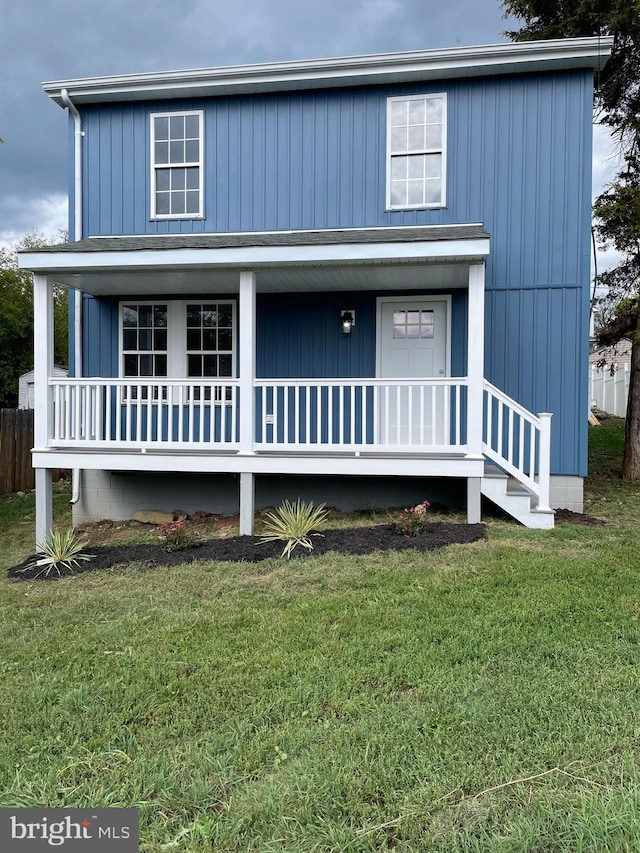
292	524
60	550
16	320
618	83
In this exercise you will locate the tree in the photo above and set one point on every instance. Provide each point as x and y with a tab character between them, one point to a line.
16	320
617	210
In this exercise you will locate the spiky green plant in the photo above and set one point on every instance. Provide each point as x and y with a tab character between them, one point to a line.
60	549
292	524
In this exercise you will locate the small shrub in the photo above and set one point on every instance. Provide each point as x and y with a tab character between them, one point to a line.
292	524
175	536
413	520
59	550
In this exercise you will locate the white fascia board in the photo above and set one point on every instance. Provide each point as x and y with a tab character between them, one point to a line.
255	256
267	463
421	65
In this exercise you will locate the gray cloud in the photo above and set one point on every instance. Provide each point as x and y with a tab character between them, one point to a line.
77	38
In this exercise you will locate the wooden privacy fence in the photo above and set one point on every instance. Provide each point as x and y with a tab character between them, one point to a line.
16	441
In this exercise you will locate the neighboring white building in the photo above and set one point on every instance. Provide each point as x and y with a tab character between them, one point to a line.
608	390
26	386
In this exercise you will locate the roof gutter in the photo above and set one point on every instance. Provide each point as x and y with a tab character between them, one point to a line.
406	67
78	133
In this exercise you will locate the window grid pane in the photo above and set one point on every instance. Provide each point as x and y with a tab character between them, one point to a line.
412	324
144	340
210	339
177	168
415	157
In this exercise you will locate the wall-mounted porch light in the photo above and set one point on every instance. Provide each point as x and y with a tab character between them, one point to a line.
347	321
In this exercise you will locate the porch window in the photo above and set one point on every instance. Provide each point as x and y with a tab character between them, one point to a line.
210	339
416	151
210	354
180	339
144	339
176	165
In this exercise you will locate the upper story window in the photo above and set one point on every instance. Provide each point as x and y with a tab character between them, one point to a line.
416	151
176	165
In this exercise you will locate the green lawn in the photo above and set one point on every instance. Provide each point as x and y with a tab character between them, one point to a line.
341	704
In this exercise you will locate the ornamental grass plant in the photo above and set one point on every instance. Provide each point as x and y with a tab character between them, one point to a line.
293	524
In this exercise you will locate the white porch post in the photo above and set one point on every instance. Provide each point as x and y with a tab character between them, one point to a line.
474	499
475	389
247	327
475	359
544	464
43	369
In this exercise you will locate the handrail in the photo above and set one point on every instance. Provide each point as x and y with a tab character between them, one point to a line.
518	441
460	381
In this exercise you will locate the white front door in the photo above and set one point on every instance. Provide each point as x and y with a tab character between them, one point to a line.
413	343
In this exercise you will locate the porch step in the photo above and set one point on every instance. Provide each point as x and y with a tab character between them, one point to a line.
514	499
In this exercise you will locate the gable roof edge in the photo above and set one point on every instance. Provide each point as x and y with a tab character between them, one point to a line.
405	67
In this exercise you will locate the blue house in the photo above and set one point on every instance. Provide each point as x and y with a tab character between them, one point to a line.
359	280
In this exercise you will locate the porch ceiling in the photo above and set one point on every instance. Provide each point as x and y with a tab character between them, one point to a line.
273	280
350	259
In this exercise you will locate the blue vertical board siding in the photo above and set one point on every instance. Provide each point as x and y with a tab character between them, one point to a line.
517	150
100	337
531	354
298	335
519	161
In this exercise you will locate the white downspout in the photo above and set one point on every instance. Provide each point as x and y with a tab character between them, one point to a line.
77	235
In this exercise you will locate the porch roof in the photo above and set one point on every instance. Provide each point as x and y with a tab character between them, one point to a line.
331	259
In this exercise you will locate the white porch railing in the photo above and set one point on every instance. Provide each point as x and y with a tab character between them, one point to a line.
518	441
404	415
120	413
350	415
401	415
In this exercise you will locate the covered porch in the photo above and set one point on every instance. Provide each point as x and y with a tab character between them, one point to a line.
420	409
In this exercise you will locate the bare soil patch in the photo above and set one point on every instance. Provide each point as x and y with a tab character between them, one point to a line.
353	540
569	517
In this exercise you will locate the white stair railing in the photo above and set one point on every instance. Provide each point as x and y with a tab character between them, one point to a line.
518	441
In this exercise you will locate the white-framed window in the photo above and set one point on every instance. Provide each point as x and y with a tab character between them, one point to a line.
180	339
143	336
210	333
416	151
177	165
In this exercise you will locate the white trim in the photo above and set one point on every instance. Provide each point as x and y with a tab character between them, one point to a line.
411	66
42	356
397	465
425	297
475	356
154	167
294	231
390	154
429	250
247	334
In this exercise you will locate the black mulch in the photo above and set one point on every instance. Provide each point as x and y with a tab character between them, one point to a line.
354	540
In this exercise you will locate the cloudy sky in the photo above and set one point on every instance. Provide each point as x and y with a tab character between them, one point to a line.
42	40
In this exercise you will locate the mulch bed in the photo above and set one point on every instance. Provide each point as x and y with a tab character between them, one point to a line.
570	517
353	540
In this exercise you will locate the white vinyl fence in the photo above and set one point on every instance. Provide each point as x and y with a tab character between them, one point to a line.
609	392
